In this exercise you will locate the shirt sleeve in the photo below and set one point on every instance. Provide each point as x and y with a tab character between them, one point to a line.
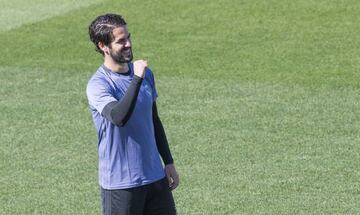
99	94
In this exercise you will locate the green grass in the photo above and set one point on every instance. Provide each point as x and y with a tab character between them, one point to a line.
16	13
259	100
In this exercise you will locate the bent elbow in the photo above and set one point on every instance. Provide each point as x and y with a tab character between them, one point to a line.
118	123
116	119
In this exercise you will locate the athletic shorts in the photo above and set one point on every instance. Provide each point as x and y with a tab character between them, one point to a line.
155	198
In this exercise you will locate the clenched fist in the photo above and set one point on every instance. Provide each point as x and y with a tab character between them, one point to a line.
139	68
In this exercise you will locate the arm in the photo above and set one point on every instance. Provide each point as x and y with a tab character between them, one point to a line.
119	112
163	147
160	137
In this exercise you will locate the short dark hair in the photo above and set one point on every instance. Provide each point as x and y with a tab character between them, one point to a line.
100	30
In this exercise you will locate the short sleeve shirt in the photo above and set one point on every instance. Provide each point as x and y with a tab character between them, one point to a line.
128	155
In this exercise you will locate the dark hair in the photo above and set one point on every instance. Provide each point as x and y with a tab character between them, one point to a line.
100	30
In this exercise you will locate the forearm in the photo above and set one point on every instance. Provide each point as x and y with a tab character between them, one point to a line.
119	112
160	137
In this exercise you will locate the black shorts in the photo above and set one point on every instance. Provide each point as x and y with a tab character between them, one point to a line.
151	199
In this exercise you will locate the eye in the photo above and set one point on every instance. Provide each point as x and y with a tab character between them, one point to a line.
124	40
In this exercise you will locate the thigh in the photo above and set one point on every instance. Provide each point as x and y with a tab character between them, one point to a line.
124	201
159	200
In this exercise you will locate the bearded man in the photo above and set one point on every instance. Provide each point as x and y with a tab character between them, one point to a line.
131	138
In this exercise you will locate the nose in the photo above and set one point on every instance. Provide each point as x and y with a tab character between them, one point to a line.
128	43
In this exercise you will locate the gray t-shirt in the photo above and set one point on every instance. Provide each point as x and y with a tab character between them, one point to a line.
128	156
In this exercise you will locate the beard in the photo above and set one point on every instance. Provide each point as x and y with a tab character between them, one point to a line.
123	56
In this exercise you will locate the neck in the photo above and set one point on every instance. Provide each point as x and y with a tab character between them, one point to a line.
116	67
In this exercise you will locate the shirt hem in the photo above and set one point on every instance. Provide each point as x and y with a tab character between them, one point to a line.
116	187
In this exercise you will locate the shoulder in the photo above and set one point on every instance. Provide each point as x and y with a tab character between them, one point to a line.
98	81
149	74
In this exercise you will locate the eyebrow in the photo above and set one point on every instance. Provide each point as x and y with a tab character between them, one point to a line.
122	39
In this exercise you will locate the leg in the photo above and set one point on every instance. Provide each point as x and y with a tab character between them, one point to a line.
123	202
159	200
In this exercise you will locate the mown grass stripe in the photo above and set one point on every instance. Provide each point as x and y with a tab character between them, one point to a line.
16	13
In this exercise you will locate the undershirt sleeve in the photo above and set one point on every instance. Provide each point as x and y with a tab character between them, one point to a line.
119	112
160	137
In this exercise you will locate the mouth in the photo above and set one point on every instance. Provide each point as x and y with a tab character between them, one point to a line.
127	54
127	51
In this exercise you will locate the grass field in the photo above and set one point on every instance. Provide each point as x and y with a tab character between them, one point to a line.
259	99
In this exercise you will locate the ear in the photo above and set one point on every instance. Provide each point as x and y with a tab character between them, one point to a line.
104	48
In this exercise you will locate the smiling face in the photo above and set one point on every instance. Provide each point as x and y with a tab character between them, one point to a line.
120	48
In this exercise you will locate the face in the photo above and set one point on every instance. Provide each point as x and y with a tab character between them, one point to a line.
120	47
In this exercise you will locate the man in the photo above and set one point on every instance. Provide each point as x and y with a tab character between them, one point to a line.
122	98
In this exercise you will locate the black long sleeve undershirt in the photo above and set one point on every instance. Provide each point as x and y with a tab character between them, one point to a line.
160	137
119	112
